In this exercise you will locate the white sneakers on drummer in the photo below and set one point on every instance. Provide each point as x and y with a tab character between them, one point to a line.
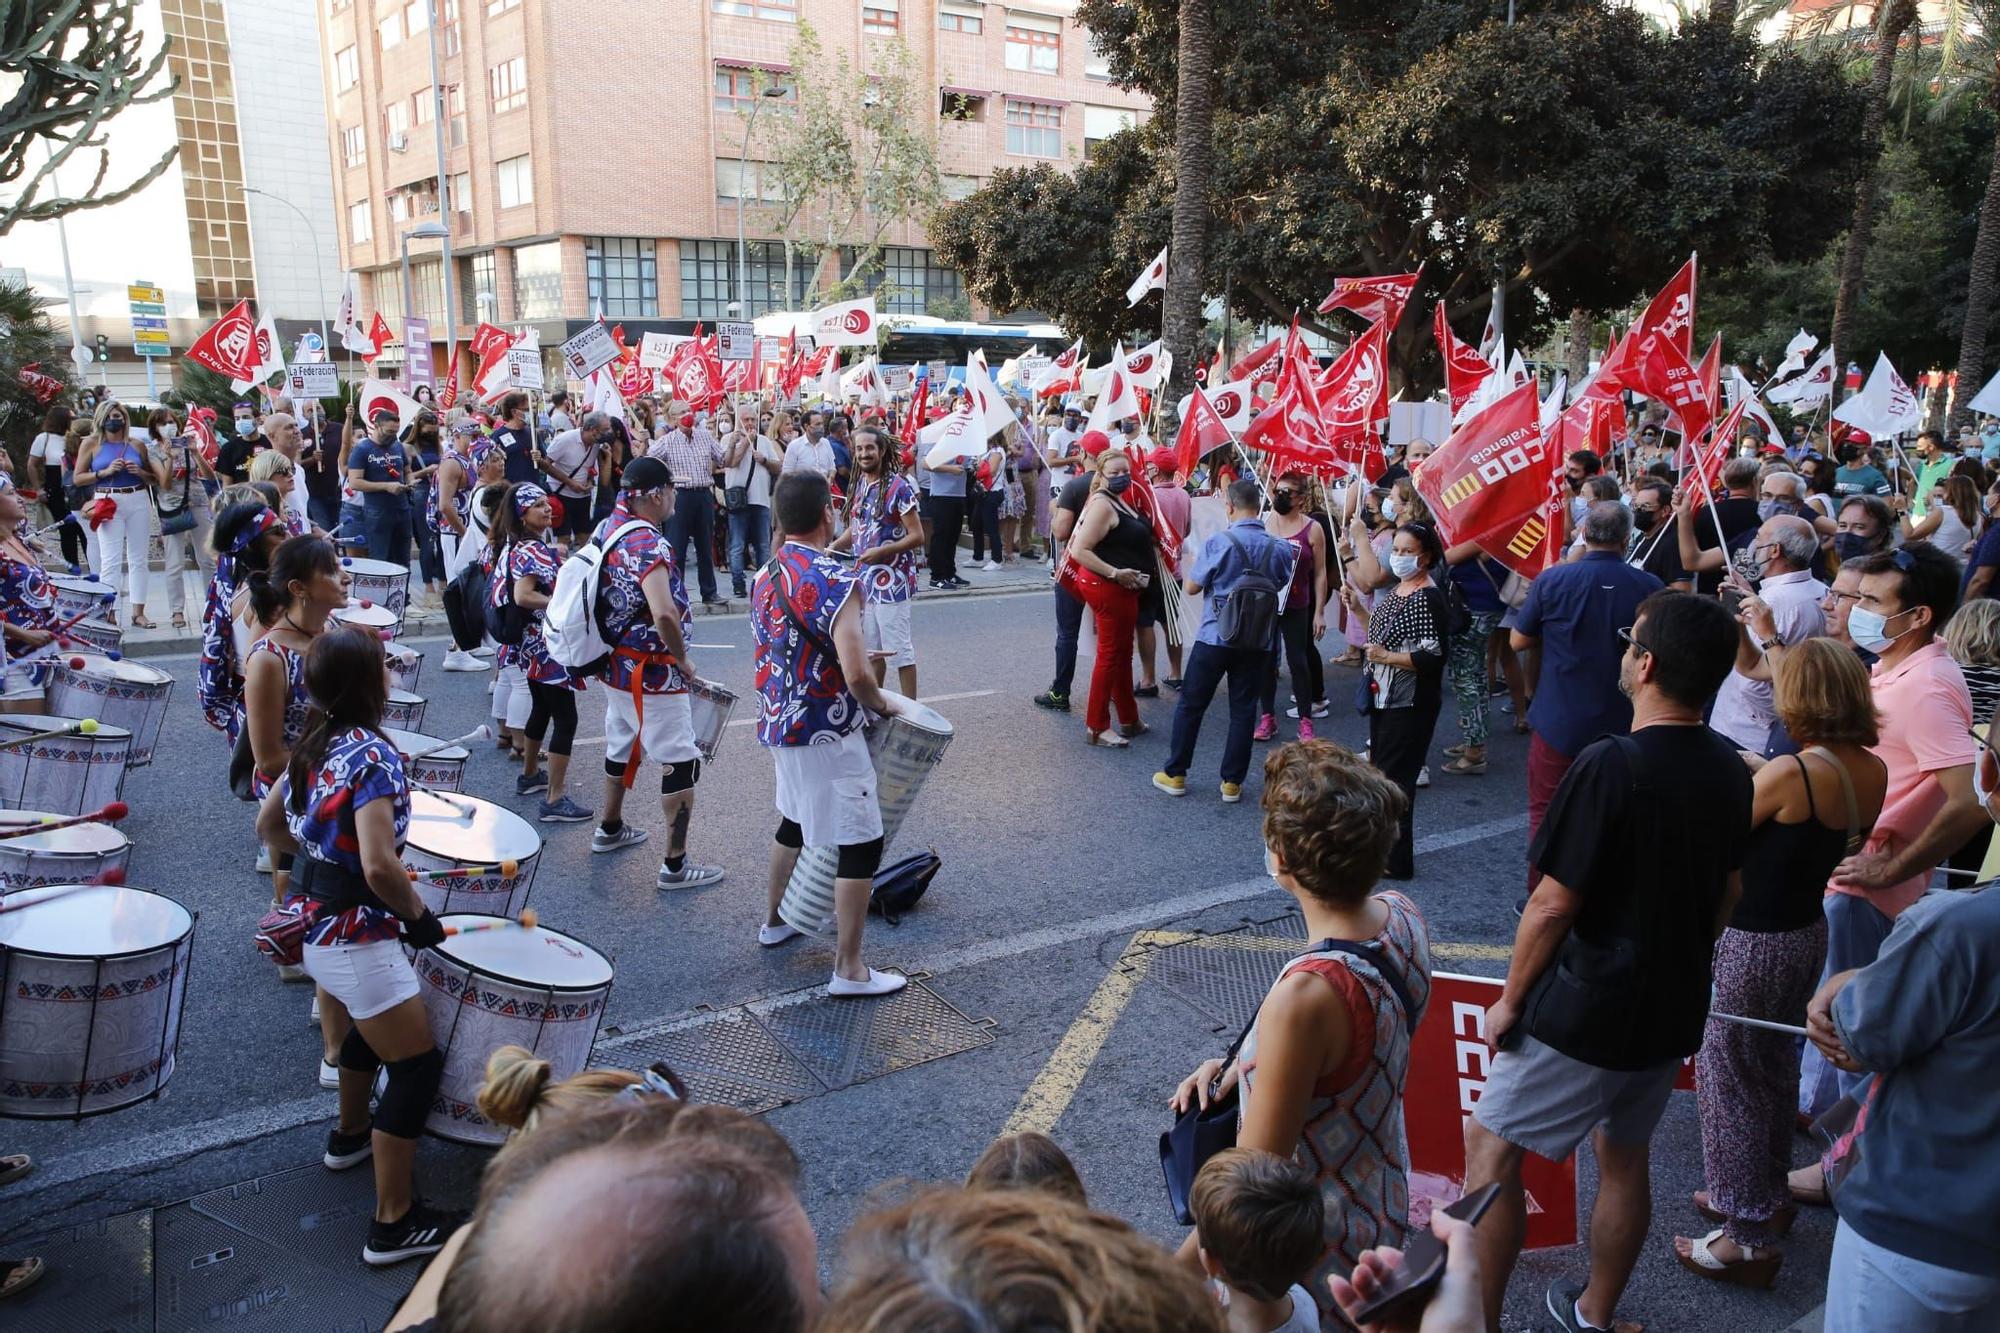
778	934
460	660
878	983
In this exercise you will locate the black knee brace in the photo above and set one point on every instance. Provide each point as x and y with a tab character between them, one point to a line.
790	834
680	777
406	1102
859	860
357	1054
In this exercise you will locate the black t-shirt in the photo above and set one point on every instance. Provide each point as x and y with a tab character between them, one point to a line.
323	470
1659	552
1073	494
1738	515
233	455
1650	853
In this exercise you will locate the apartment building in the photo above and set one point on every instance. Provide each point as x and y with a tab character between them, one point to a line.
596	153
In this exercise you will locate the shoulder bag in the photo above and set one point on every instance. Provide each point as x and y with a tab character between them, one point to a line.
178	517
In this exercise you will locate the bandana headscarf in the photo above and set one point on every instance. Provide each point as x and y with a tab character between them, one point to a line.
255	528
465	429
481	451
526	496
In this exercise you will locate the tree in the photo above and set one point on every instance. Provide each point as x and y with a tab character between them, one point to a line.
1575	156
1891	23
1194	166
1969	70
28	338
78	64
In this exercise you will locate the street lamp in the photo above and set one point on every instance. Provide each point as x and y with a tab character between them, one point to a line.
423	231
775	92
319	260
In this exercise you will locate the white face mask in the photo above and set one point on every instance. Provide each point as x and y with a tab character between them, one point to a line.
1401	564
1271	863
1389	508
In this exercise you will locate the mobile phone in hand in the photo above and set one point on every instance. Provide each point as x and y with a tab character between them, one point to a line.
1423	1263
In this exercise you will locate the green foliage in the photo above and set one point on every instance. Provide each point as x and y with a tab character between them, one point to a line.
27	338
201	387
949	307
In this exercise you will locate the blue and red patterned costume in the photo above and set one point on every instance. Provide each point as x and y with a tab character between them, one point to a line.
360	766
802	695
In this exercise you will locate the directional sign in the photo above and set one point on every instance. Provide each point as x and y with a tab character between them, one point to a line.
141	291
588	350
737	340
149	320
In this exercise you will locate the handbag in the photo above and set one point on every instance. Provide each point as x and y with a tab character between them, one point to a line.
243	765
180	518
281	935
1200	1133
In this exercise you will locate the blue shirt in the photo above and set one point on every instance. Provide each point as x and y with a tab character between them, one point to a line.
378	462
1985	554
1577	610
1222	563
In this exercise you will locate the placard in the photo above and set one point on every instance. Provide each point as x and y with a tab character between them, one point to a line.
417	367
312	379
524	367
735	340
587	351
1029	367
655	348
898	379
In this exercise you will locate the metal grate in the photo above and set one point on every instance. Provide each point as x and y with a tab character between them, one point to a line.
724	1057
1224	977
99	1280
314	1215
211	1275
845	1042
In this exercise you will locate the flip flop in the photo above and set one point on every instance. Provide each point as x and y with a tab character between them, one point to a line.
17	1275
1813	1196
1755	1271
14	1167
1464	767
1781	1221
140	622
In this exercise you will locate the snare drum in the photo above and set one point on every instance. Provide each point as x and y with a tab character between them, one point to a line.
443	770
531	987
80	595
74	855
461	831
406	664
90	1011
125	693
711	705
70	775
405	710
99	635
377	620
381	582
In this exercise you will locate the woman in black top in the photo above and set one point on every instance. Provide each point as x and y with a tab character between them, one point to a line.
1112	549
1405	672
1808	811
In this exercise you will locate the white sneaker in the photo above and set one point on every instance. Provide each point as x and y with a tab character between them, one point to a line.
878	983
329	1076
459	660
991	567
778	934
264	860
484	650
312	1015
1424	776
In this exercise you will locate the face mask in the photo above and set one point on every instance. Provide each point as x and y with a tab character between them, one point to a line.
1402	565
1643	519
1747	563
246	427
1575	484
1118	485
1282	502
1769	509
1389	509
1868	629
1850	545
114	425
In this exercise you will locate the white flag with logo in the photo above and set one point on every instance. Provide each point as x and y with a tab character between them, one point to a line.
1737	387
954	437
376	394
347	322
1885	406
1235	402
270	357
1149	365
849	324
994	414
1154	276
1809	389
1795	354
1119	400
865	383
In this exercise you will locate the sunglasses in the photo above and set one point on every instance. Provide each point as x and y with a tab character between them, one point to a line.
1626	636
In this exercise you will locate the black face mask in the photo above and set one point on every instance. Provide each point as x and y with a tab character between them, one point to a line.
1575	484
1851	545
1283	502
1644	519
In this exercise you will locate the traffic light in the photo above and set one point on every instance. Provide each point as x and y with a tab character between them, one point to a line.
103	347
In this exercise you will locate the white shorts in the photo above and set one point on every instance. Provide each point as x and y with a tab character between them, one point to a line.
829	791
367	979
885	626
667	736
511	701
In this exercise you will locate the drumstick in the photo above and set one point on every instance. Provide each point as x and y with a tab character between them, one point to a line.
111	876
464	808
526	922
15	828
479	733
87	727
507	869
1765	1024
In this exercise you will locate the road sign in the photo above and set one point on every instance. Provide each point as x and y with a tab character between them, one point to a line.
149	320
524	367
313	379
141	291
584	353
737	339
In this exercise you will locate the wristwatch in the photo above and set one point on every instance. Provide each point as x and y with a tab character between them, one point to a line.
1768	644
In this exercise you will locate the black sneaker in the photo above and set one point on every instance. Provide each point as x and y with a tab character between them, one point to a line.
939	585
958	582
421	1231
1058	703
347	1150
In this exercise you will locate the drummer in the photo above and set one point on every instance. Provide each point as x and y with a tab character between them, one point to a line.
27	599
524	570
489	472
246	534
345	803
884	533
450	491
809	715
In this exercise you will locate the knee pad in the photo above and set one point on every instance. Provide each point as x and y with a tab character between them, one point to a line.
614	768
357	1054
406	1102
680	777
790	834
859	860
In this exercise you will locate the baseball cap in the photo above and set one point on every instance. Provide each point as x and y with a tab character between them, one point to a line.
645	474
1093	443
1163	460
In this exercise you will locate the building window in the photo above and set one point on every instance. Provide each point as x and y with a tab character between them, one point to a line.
399	206
879	18
1034	129
481	294
1096	65
1034	43
360	226
516	181
417	17
960	187
353	145
734	88
906	281
421	107
621	272
508	81
955	105
388	300
396	119
449	19
960	16
708	277
538	281
784	11
427	288
454	106
390	29
1101	122
346	68
758	181
461	192
501	6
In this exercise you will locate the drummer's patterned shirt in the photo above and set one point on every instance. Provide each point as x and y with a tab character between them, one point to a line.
360	766
298	703
536	560
877	515
219	679
461	499
626	564
27	598
802	696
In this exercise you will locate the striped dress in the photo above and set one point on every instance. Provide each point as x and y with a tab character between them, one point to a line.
1353	1140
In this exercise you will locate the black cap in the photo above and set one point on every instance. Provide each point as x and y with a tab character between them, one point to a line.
645	474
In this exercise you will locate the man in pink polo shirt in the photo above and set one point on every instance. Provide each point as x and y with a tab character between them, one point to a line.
1929	810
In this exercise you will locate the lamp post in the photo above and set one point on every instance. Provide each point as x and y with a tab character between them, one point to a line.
319	260
774	92
445	213
423	231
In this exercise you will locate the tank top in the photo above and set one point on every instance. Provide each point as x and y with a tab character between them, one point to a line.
1786	866
1300	595
1129	544
1952	536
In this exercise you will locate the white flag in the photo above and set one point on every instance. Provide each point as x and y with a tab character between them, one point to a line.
1552	405
1795	354
1810	389
381	393
1154	277
1235	402
1738	389
1493	338
347	322
865	383
1886	406
956	437
1119	400
994	414
270	357
849	324
1148	365
1987	400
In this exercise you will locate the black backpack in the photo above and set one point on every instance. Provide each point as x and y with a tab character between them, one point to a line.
1247	615
898	886
464	603
506	623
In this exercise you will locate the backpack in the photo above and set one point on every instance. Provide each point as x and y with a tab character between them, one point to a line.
573	628
898	886
1247	616
506	623
464	598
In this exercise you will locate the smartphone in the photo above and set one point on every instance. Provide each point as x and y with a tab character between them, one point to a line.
1423	1263
1732	598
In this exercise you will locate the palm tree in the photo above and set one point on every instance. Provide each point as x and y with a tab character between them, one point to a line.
1891	22
1194	164
1968	65
28	338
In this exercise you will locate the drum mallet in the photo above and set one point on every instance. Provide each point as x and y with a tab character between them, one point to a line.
526	922
482	732
1763	1023
111	813
505	869
464	808
87	727
109	877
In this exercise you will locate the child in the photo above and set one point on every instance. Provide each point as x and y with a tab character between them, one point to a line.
1258	1219
1028	1161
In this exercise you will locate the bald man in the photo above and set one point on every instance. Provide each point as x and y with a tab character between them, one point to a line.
1782	550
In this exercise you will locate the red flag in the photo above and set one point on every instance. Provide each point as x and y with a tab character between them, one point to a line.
486	338
1464	368
1672	312
1650	364
1491	472
1202	430
1704	462
1166	537
1353	397
1377	298
1290	429
918	402
1260	366
1709	372
379	337
1597	386
229	347
1534	542
694	372
448	391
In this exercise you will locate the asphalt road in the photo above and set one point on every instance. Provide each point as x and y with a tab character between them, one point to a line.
1055	856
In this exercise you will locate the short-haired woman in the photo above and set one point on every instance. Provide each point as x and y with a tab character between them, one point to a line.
1334	1031
1112	549
1808	811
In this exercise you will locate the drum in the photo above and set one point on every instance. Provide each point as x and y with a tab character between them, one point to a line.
74	855
124	693
90	1011
711	705
378	620
443	770
69	775
406	664
904	748
405	710
81	595
386	585
458	832
100	635
531	987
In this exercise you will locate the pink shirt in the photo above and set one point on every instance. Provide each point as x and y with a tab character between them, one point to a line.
1926	717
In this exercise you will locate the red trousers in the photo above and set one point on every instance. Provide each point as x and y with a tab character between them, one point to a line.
1546	767
1117	611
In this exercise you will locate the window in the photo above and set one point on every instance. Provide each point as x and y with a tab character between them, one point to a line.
960	16
880	18
391	29
481	294
454	106
732	175
353	145
621	272
449	18
1034	129
905	280
1096	65
399	206
784	11
708	278
1101	122
508	81
422	109
346	68
461	192
1034	43
960	187
360	226
427	289
516	181
417	17
538	281
955	105
734	88
396	117
501	6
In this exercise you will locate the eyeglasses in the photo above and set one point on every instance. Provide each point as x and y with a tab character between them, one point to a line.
659	1081
1626	636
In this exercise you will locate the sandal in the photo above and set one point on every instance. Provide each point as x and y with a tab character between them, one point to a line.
1781	1221
14	1167
1453	751
180	620
1110	739
1468	768
17	1275
1753	1270
1808	1186
139	621
1131	729
1351	658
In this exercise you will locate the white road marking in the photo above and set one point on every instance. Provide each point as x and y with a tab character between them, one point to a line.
751	721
